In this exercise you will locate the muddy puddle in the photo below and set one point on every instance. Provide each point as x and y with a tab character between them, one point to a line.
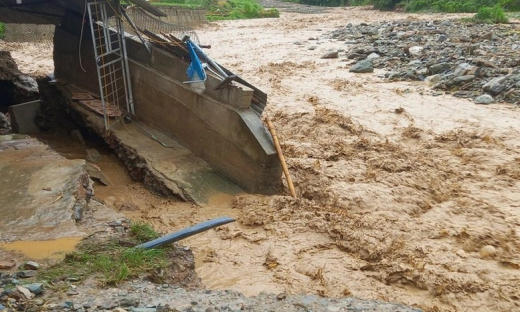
46	249
40	225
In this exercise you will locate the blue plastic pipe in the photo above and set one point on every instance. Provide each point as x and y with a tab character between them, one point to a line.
184	233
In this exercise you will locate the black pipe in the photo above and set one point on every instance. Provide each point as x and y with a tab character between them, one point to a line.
184	233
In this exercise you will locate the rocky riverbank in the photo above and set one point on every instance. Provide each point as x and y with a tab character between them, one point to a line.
142	296
468	60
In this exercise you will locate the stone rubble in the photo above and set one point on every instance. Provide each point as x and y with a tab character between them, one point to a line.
144	296
465	59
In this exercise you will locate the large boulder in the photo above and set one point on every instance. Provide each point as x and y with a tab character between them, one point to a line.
8	67
484	99
439	68
15	87
495	85
364	66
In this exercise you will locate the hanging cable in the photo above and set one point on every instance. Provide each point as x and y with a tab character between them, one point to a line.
81	37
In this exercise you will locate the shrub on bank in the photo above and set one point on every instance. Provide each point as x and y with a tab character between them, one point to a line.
492	14
224	9
239	9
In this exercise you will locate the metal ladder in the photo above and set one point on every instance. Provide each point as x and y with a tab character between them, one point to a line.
111	60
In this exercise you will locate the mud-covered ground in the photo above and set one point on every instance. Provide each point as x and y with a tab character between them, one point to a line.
405	195
399	190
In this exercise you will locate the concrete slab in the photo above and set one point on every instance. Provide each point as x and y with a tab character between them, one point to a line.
37	192
174	167
187	175
23	115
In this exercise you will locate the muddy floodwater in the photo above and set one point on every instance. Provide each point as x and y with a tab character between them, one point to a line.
46	249
402	196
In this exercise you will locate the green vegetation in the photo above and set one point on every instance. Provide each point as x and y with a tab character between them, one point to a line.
225	9
239	9
385	4
449	6
488	10
327	3
110	262
494	15
192	4
2	30
143	232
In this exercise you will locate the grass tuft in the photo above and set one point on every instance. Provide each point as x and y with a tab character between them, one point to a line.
143	232
494	15
108	261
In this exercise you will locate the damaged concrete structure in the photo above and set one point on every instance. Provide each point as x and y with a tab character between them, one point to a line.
219	131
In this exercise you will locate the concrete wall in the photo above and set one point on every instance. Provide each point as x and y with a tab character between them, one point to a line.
218	126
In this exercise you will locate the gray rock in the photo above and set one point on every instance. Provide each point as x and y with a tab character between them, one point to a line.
109	305
5	124
8	67
416	50
26	273
26	292
31	265
143	309
415	63
464	69
128	302
330	55
356	56
463	79
484	99
26	85
163	308
372	56
433	79
438	68
442	38
495	85
312	48
364	66
35	288
68	305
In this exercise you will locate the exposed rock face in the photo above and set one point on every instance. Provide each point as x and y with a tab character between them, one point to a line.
8	67
15	87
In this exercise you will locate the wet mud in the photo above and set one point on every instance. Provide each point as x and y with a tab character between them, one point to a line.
47	249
